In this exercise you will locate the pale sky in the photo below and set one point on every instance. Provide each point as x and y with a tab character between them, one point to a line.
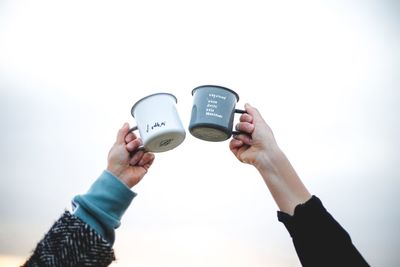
324	74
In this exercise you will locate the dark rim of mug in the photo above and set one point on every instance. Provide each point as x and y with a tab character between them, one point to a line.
217	86
140	100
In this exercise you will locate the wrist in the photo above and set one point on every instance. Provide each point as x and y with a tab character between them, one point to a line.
115	171
119	174
127	180
270	160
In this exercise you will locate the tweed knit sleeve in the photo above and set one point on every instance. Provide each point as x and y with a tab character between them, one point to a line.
71	242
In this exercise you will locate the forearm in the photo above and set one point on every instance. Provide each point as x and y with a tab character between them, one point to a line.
285	186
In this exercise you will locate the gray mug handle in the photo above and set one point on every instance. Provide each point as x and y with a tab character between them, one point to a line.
134	128
240	111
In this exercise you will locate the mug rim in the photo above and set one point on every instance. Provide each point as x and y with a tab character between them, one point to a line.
143	98
217	86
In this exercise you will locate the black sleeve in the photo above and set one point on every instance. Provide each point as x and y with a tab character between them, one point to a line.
71	242
318	238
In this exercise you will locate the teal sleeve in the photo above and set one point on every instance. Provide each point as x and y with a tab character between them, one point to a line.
104	204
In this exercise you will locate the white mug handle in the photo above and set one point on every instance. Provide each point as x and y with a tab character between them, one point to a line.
134	128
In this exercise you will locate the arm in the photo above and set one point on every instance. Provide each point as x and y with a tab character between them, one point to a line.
85	238
318	238
259	148
106	201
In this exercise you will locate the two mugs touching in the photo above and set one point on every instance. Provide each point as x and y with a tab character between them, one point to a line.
211	119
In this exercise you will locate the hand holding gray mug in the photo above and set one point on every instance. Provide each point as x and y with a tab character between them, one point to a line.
213	113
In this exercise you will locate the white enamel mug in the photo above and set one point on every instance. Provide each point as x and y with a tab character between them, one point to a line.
158	122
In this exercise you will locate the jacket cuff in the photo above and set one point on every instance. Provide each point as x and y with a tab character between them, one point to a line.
303	214
104	204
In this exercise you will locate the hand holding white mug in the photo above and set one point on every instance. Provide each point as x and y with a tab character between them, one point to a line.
126	161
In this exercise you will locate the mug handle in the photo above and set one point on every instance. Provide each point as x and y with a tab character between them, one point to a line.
240	111
134	128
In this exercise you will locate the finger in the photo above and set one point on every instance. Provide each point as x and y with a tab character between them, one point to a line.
235	144
130	137
134	145
258	120
244	138
122	133
245	127
149	163
245	117
252	111
147	158
136	158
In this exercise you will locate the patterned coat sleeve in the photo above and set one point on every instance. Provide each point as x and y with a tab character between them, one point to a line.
71	242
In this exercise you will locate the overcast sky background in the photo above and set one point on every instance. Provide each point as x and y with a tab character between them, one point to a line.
324	74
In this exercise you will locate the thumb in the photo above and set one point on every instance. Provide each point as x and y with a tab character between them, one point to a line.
252	111
122	133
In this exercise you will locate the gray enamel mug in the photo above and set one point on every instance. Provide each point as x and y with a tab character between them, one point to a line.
213	112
